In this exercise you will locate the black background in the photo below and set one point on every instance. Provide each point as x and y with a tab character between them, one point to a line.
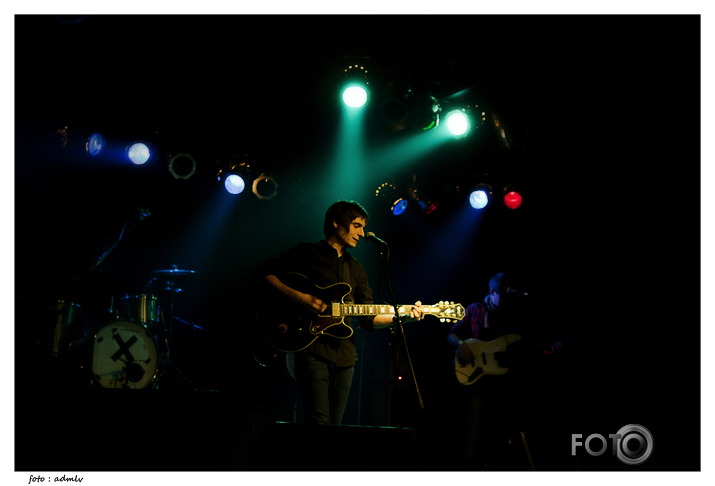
604	117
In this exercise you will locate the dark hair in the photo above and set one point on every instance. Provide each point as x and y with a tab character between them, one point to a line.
343	213
499	282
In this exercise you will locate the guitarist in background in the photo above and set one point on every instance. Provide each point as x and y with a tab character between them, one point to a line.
324	369
494	374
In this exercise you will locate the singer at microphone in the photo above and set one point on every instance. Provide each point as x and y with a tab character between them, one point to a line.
496	335
372	237
300	281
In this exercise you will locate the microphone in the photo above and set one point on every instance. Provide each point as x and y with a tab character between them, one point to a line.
143	213
372	237
513	291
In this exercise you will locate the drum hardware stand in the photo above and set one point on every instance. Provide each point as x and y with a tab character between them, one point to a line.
168	324
192	325
143	213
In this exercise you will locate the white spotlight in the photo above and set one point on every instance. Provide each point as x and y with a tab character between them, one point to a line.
138	153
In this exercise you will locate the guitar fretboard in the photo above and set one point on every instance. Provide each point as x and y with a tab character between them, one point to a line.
339	310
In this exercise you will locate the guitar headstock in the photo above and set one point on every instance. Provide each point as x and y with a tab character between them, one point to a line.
446	311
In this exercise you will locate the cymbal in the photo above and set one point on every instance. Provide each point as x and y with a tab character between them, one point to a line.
174	271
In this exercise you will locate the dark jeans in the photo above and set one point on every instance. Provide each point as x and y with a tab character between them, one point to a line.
495	413
324	388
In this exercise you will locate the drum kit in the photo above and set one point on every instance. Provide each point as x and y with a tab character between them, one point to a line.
131	347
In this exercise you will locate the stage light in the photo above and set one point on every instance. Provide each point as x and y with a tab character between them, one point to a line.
397	204
64	135
424	112
457	123
234	177
428	205
417	194
238	175
234	183
477	116
355	96
355	86
95	144
265	187
512	198
138	153
503	134
480	196
414	111
182	166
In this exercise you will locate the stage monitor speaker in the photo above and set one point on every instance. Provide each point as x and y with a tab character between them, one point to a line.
304	447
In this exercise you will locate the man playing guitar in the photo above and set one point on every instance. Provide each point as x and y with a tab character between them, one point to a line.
324	364
489	343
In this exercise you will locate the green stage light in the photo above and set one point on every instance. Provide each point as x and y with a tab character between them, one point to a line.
355	87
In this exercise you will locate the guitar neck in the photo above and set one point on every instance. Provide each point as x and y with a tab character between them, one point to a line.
339	309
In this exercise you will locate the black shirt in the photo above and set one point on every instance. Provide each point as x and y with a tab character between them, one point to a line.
320	264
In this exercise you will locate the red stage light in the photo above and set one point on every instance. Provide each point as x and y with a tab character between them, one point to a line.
512	199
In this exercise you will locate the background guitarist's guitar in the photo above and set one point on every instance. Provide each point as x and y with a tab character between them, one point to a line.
288	328
488	353
485	362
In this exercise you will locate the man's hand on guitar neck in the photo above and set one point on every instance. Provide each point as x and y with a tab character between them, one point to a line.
417	313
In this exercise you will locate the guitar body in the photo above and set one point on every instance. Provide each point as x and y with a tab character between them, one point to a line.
485	361
289	328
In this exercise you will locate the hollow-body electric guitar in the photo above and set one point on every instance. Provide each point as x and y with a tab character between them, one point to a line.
288	328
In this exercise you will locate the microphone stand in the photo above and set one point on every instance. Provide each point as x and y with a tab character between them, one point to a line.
399	331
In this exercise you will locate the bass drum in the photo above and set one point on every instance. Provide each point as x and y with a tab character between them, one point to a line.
125	356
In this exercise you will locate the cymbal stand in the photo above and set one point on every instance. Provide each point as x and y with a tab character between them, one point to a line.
168	325
125	230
